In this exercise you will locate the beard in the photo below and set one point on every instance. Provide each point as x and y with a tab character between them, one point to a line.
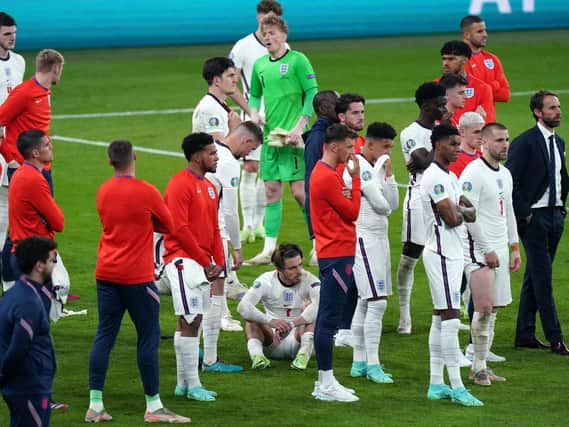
552	123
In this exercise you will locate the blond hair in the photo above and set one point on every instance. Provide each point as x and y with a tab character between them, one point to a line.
275	21
46	59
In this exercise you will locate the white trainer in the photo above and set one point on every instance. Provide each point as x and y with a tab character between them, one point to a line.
493	357
464	362
235	289
229	324
404	327
334	392
259	259
343	338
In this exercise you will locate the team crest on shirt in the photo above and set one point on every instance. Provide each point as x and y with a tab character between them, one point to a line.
310	76
467	186
439	189
8	72
283	69
409	145
500	184
213	121
194	303
256	284
366	175
469	92
381	285
456	297
489	63
288	297
235	181
211	192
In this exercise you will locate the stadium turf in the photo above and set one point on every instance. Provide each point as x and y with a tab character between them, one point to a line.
126	80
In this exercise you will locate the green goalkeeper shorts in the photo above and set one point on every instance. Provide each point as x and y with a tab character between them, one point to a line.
282	163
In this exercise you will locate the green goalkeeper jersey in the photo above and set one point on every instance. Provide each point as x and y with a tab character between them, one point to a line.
283	83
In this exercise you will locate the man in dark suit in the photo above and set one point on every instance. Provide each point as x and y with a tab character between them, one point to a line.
537	162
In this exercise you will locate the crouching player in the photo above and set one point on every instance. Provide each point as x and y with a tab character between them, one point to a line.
286	329
372	266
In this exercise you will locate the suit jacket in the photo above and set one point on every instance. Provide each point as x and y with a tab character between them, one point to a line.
528	161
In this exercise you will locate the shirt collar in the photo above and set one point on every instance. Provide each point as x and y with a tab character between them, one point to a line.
544	131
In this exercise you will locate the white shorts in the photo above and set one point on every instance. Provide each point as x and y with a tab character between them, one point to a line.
372	268
445	278
502	288
255	154
190	288
286	349
413	227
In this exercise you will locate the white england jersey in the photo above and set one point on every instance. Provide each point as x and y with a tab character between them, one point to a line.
226	180
490	191
413	137
11	74
439	184
375	207
211	116
244	54
280	301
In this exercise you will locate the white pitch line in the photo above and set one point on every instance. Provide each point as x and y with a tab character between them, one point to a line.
106	144
191	110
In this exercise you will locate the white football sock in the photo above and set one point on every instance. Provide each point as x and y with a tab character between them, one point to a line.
436	357
326	378
306	343
255	347
225	308
372	329
270	245
450	350
189	348
96	400
153	403
180	378
261	201
248	198
358	341
405	277
491	325
479	329
211	327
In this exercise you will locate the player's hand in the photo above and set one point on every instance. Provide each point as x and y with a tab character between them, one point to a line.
481	111
237	259
353	167
281	326
234	120
347	192
515	261
469	214
388	168
212	271
294	137
491	259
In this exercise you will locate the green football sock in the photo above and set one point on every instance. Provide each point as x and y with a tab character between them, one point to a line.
273	218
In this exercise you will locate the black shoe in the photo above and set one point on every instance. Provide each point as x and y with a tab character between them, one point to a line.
533	343
560	348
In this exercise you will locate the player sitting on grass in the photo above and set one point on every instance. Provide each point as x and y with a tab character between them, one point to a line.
286	328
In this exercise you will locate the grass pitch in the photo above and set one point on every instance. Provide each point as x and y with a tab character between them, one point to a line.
121	80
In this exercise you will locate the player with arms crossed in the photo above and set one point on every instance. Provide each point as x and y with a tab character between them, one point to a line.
251	187
416	146
445	209
286	81
372	266
286	329
246	137
333	212
488	263
193	255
